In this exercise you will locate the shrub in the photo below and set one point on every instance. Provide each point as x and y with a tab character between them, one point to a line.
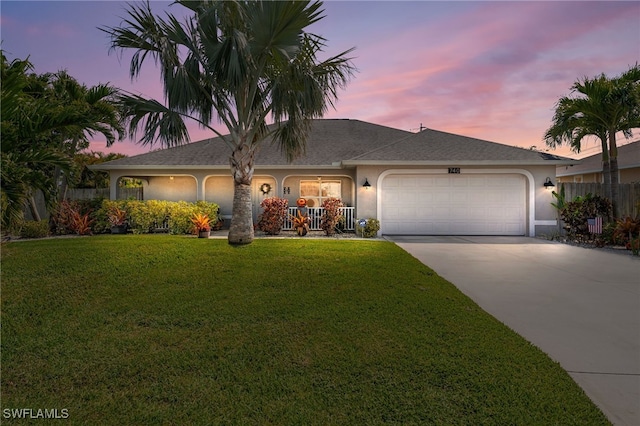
331	216
367	228
180	214
116	216
625	231
61	217
34	229
144	216
81	223
72	217
201	222
576	213
271	220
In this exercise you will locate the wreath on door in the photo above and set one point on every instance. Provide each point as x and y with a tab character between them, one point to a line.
265	188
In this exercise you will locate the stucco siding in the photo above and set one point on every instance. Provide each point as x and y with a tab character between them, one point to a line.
170	188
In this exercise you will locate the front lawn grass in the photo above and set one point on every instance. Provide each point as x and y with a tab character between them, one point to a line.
158	329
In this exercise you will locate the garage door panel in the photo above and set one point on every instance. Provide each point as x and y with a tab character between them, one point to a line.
472	204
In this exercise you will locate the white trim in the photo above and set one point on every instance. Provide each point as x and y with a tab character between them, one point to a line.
531	220
546	223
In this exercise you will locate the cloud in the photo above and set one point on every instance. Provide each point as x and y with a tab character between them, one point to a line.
494	71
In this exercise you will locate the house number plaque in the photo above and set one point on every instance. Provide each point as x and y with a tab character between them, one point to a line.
454	170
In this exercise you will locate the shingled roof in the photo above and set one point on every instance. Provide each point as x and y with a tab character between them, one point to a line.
433	146
628	157
336	142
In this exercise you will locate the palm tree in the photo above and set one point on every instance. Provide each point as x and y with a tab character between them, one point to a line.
571	126
46	120
244	62
603	107
95	111
22	163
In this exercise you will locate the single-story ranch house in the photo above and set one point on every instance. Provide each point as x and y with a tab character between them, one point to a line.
590	168
426	183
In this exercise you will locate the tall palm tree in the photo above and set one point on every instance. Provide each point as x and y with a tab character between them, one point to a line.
603	107
244	62
571	126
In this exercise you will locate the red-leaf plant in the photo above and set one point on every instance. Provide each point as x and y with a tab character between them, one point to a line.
332	215
271	220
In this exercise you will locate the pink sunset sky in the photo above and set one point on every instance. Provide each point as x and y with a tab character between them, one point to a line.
490	70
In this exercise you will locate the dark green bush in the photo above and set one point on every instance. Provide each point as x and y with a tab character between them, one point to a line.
370	228
35	229
145	216
576	212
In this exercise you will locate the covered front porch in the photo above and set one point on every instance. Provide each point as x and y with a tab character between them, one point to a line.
315	185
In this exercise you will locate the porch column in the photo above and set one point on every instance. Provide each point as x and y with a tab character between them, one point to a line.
113	186
200	187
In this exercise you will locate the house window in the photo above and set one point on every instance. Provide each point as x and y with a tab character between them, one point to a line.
316	191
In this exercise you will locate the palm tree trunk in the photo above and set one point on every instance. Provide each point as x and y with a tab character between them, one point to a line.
613	159
61	183
606	175
606	167
33	208
241	228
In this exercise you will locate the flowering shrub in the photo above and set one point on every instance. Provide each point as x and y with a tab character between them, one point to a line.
272	217
331	216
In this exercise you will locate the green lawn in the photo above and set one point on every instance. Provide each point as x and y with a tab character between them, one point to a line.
157	329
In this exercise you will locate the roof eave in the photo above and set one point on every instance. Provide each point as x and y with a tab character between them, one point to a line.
100	167
451	163
574	172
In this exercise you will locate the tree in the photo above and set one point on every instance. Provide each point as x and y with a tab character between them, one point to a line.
81	176
95	110
244	62
602	107
22	165
46	119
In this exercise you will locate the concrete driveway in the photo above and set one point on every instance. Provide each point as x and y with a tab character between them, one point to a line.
580	306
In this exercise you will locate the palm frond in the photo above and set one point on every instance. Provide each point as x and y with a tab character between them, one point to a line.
158	121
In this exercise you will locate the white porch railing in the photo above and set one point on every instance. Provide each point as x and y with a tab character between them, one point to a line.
315	214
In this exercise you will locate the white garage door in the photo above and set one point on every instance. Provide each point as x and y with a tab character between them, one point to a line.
454	204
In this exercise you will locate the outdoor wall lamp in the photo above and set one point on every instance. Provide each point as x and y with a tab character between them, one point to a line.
548	184
170	177
366	184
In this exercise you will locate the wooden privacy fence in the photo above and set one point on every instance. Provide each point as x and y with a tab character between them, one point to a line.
85	194
91	193
629	195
